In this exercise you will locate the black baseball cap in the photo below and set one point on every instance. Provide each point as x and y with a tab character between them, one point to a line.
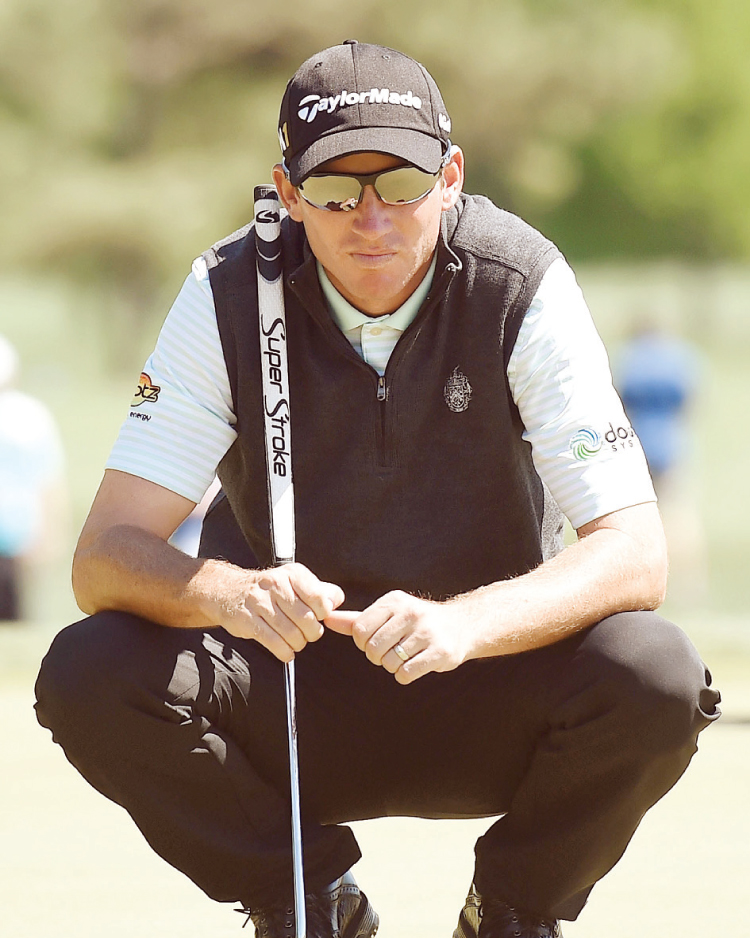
359	97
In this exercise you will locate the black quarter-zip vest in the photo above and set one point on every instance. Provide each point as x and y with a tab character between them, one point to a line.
420	481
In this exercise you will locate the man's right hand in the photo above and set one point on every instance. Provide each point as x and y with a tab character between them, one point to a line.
281	608
124	561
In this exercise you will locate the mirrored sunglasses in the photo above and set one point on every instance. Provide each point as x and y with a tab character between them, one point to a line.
335	192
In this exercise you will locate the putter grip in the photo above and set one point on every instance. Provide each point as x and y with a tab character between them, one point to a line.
268	232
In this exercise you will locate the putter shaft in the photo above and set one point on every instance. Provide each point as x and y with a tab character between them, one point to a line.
299	884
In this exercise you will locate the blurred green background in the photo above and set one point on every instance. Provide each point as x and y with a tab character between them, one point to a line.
132	133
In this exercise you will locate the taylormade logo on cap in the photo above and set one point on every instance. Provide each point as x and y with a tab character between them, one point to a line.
314	104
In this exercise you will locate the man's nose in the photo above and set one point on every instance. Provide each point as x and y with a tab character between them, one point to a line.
371	216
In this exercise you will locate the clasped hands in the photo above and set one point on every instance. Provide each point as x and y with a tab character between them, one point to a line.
286	607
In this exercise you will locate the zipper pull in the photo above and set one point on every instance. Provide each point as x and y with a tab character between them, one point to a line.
381	387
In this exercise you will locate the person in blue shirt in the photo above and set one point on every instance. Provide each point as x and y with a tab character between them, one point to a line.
657	378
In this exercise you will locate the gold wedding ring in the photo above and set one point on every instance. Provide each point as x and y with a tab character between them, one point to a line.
399	649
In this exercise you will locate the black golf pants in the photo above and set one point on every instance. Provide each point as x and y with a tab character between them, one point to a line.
571	744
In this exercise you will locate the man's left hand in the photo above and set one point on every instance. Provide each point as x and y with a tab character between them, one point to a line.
406	635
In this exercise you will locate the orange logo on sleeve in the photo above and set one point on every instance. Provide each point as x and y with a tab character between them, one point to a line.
145	392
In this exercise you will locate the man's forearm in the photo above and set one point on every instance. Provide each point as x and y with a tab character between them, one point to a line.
130	569
133	570
612	568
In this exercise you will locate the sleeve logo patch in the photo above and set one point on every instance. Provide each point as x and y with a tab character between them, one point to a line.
586	443
146	392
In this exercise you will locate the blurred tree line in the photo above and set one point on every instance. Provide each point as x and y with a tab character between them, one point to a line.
132	131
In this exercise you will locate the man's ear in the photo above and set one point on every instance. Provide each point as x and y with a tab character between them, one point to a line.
453	178
290	197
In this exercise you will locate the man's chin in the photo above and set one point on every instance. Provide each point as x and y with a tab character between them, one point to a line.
378	299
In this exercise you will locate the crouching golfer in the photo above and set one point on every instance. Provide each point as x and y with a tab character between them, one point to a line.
450	399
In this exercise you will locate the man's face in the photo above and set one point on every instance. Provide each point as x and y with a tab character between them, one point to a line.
377	254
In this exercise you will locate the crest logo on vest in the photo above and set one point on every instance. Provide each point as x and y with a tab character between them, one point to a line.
457	391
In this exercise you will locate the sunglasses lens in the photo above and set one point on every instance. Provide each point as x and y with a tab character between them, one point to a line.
405	184
338	193
331	192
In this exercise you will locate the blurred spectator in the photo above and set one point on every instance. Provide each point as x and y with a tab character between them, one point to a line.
31	489
657	377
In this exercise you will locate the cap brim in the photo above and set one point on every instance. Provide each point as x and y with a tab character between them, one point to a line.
423	151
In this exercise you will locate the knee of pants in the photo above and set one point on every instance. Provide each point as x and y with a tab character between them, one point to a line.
94	665
653	671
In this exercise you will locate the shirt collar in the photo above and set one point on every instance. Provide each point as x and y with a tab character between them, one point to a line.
347	317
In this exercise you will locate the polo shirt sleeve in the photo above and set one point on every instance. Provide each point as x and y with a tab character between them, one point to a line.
583	445
181	420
